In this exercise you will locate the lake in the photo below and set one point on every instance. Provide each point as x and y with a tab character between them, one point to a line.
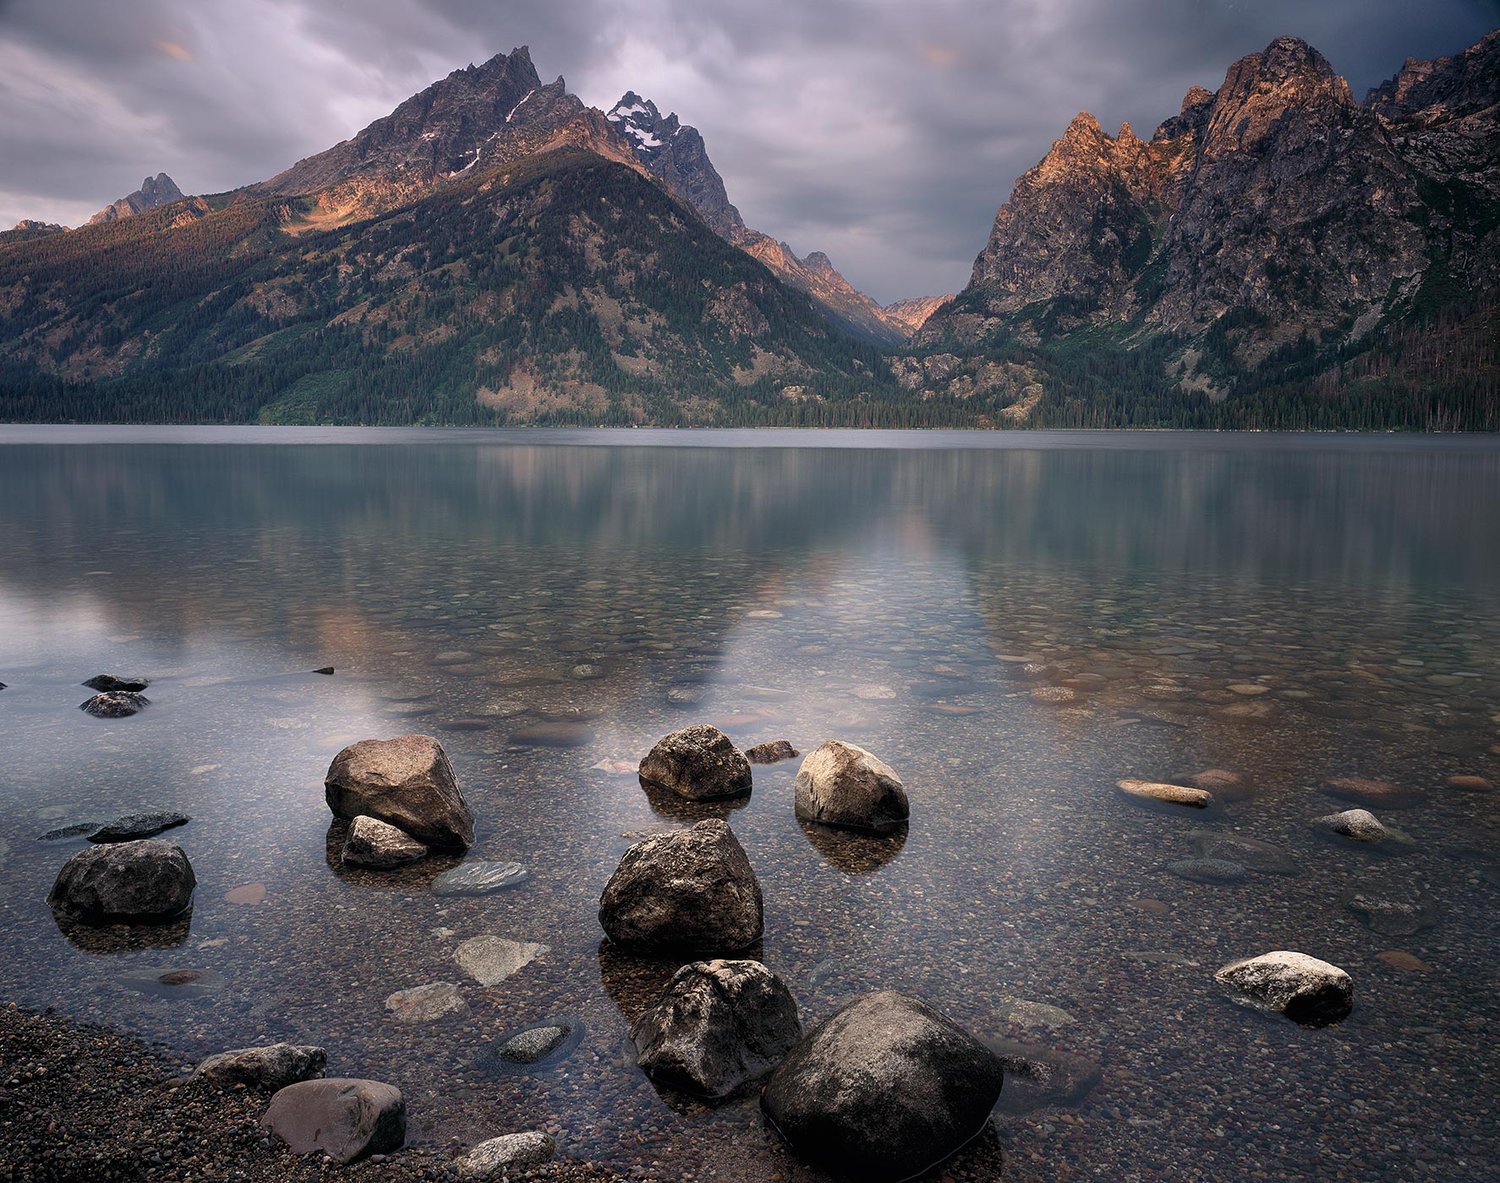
1013	622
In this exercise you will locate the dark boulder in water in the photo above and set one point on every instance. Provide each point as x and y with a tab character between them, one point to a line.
125	881
771	753
134	826
699	763
114	684
115	704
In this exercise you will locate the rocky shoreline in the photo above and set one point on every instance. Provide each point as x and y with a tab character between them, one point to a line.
83	1102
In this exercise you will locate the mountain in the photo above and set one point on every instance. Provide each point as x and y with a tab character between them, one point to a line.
491	252
916	311
27	229
1274	238
154	192
675	152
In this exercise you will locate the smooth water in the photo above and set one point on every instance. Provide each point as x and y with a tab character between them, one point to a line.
1013	622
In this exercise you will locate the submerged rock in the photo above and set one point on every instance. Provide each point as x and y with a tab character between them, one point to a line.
1222	783
1170	794
479	877
1208	870
497	1157
698	763
427	1004
73	830
137	825
491	959
126	881
1304	989
771	753
1037	1076
114	705
346	1119
884	1089
112	683
1379	794
1392	911
534	1048
842	785
272	1067
380	845
1248	852
407	782
691	890
1360	825
717	1026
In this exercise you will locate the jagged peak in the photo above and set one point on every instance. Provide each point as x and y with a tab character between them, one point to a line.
1127	133
1196	96
819	263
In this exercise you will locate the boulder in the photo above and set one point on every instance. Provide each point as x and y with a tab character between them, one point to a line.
771	753
842	785
137	825
407	782
114	684
1360	825
272	1067
499	1156
883	1090
344	1118
1304	989
1151	790
697	763
691	891
111	705
717	1026
147	880
374	843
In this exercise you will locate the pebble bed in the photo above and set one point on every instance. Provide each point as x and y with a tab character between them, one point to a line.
548	634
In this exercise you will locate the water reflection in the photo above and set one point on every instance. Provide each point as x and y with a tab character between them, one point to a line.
854	853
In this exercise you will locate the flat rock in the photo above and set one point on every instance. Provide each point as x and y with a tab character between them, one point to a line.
532	1049
345	1118
478	877
271	1067
1248	852
553	735
1170	794
717	1026
407	782
1038	1076
137	825
771	753
491	959
1207	870
1471	784
1034	1016
697	763
511	1152
1360	825
427	1004
112	683
1404	961
884	1089
840	784
1392	910
1376	794
379	845
1304	989
1224	784
114	705
73	830
148	880
691	890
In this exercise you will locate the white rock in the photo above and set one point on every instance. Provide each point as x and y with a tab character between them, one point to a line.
1300	987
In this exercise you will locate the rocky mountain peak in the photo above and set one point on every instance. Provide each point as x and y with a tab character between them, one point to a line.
819	264
1445	88
675	152
154	191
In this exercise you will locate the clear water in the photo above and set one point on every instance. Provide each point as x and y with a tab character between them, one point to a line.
532	599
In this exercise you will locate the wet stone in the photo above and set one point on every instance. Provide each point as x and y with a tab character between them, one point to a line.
698	763
138	825
427	1004
380	846
491	959
479	877
148	880
346	1119
1360	825
1207	870
771	753
1247	852
115	705
75	830
272	1067
1304	989
532	1049
498	1157
112	683
1037	1076
1168	794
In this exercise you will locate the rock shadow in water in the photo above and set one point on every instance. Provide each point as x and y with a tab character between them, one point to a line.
107	939
852	851
668	804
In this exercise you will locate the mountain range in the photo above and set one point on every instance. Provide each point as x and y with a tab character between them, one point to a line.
1277	254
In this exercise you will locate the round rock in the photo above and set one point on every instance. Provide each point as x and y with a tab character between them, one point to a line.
717	1026
125	881
698	763
1304	989
691	890
344	1118
380	845
406	782
883	1090
841	784
114	705
1360	825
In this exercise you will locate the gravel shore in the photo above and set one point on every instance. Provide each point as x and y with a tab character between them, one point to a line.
80	1102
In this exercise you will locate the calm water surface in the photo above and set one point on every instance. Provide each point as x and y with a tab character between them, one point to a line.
1013	622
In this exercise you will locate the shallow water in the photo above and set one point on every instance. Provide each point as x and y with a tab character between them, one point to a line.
1015	623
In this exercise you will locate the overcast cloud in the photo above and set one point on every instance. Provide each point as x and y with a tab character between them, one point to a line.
885	132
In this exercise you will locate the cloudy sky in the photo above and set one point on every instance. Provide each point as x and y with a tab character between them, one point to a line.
885	132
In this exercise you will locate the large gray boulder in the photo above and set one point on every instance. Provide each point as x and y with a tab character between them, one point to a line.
883	1090
840	784
717	1026
271	1067
406	782
147	880
688	891
698	763
1304	989
343	1117
379	845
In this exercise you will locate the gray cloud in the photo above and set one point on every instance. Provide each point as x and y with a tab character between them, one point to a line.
884	132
